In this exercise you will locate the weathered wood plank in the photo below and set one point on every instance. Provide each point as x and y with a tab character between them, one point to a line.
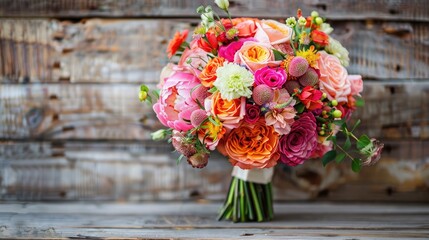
393	110
414	10
148	171
98	50
196	221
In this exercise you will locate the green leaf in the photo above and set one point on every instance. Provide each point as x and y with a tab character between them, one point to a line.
356	165
320	119
359	102
347	144
333	138
363	141
339	122
278	56
328	157
179	159
357	123
299	107
212	90
340	157
144	88
213	121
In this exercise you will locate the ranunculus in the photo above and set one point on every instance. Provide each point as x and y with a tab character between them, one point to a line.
333	77
299	144
209	43
246	26
252	146
208	75
273	32
252	113
229	50
279	116
193	58
175	105
255	56
356	84
311	98
229	112
272	77
320	37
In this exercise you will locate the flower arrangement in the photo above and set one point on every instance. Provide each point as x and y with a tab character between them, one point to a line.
261	92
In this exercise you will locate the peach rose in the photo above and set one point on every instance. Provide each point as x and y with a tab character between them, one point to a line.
253	146
273	32
255	55
356	84
229	112
246	26
333	77
208	75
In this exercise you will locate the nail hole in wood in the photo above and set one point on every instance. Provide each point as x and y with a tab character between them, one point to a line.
398	68
321	6
393	11
390	191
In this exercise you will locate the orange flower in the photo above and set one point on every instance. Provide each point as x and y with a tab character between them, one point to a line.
175	43
229	112
211	133
320	37
253	146
208	75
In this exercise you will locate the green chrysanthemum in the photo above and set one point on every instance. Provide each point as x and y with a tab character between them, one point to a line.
233	81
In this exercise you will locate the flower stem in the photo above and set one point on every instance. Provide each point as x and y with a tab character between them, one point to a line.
259	216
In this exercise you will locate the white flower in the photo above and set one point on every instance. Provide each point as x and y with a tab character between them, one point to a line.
326	28
222	4
233	81
291	22
335	48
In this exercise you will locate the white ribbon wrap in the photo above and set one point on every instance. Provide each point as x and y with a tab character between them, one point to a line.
262	176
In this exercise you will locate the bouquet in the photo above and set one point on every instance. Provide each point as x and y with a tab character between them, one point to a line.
261	92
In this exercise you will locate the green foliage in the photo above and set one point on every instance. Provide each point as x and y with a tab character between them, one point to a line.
328	157
356	165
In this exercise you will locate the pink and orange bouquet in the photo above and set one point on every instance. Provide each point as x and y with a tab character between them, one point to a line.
261	92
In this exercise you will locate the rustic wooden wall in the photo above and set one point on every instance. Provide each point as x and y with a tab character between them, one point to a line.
72	128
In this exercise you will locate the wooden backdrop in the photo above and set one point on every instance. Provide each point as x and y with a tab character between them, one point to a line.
72	128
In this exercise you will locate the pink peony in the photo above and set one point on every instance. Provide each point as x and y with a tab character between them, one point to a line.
272	77
229	50
300	143
356	84
175	105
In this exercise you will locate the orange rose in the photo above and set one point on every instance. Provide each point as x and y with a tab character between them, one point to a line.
333	77
255	56
253	146
229	112
246	26
208	75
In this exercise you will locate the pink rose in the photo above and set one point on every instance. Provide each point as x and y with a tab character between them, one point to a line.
175	105
246	28
300	143
272	77
255	56
252	113
356	84
229	50
333	77
273	32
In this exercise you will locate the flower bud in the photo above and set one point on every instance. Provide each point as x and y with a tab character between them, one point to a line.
314	14
159	135
291	22
142	96
222	4
302	21
319	20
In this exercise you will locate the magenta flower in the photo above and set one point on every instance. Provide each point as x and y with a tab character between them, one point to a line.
229	51
175	104
252	113
299	144
272	77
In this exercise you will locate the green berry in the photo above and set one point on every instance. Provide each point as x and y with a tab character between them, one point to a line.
319	20
334	102
323	112
337	113
314	14
324	95
321	132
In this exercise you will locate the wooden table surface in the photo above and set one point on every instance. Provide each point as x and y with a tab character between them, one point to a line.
174	220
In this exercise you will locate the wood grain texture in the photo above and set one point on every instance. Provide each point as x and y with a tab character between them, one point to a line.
393	110
413	10
197	221
96	50
133	171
